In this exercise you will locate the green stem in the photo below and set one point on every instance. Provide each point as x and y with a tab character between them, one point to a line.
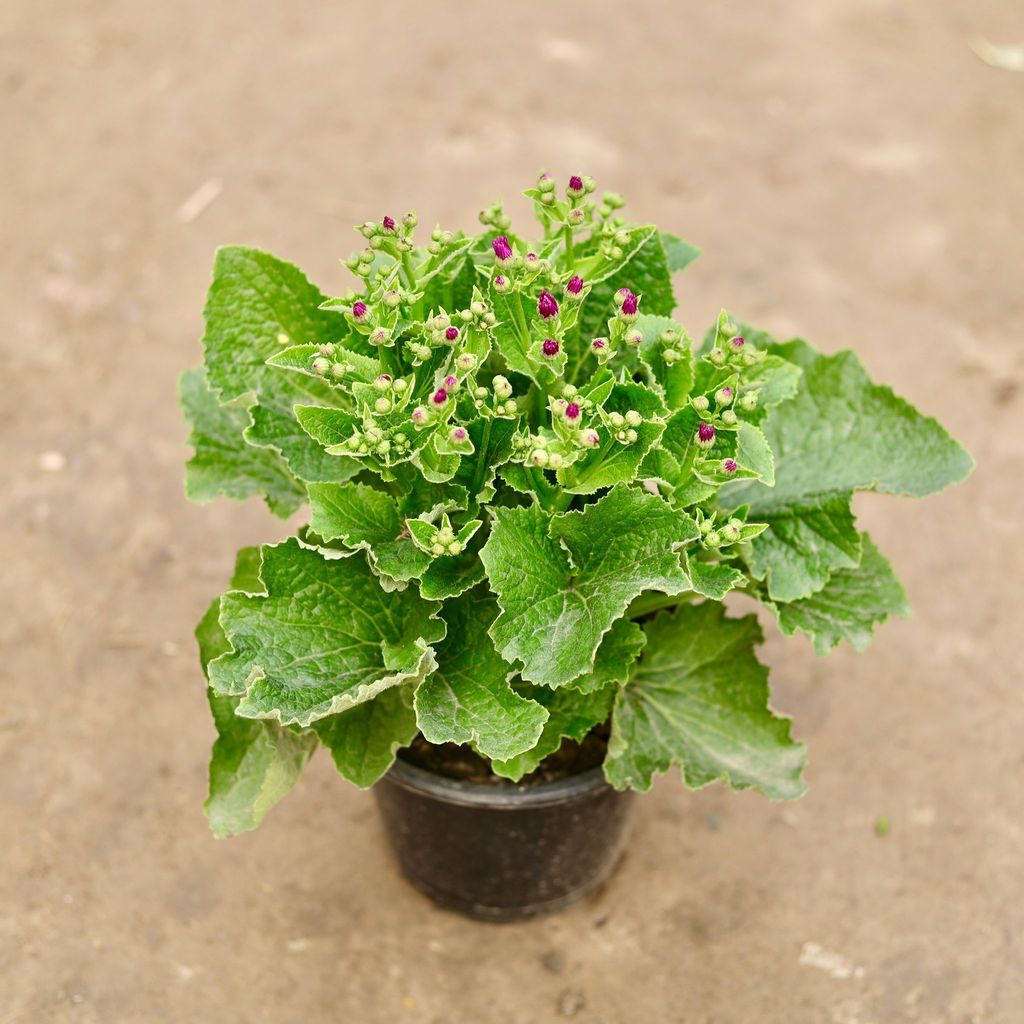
569	252
653	602
410	275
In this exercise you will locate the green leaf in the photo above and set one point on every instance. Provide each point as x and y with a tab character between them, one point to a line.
753	453
364	518
223	463
571	715
210	635
713	579
363	741
252	765
613	662
469	699
645	272
699	699
673	379
678	253
255	306
614	462
849	606
840	434
675	459
562	581
324	637
492	443
803	546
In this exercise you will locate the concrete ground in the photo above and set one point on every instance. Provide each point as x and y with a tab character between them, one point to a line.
853	171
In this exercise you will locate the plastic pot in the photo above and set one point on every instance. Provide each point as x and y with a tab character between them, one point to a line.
503	852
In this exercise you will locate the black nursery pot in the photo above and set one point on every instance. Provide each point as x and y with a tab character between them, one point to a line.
503	852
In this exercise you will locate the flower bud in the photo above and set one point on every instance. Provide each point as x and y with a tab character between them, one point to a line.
376	242
622	238
631	436
576	217
633	337
439	397
420	416
617	420
451	383
705	435
404	245
388	224
368	230
671	355
730	466
713	540
628	311
590	438
392	298
574	287
434	248
399	385
360	311
545	183
575	189
383	382
503	253
748	402
633	418
729	533
380	335
489	319
621	295
555	461
669	336
510	407
500	283
421	352
550	348
614	200
321	365
532	262
338	370
729	418
717	356
458	434
701	404
737	343
466	316
477	308
571	411
547	305
502	387
410	220
539	457
466	361
724	396
599	345
382	405
480	393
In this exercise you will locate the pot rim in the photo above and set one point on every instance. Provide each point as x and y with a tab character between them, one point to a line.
511	796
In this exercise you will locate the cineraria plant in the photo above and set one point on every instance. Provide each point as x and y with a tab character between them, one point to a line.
529	492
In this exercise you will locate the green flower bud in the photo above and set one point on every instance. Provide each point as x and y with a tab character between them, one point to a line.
400	385
325	350
633	418
392	298
339	370
444	535
382	405
712	540
539	457
478	308
502	387
510	407
724	396
729	417
633	337
671	355
748	402
717	356
321	365
465	361
729	533
555	461
410	220
434	248
454	548
670	336
631	436
376	242
617	420
437	549
480	394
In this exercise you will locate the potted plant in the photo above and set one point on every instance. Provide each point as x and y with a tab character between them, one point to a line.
528	493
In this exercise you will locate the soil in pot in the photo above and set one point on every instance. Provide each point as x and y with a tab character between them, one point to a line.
497	850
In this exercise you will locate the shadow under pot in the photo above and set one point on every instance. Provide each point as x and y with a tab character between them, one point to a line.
502	851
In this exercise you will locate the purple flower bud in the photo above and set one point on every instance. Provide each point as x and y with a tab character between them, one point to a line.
419	415
575	285
451	333
459	434
737	342
451	382
389	223
729	466
502	249
576	183
501	284
440	396
705	433
547	305
629	304
572	411
621	295
360	310
550	347
599	343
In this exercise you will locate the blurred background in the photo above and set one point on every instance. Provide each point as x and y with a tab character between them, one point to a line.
852	170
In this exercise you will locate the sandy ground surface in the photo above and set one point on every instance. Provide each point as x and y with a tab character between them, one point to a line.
853	171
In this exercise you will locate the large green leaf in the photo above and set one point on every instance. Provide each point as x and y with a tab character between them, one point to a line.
469	699
678	253
562	581
363	741
841	433
571	715
224	463
699	699
253	763
323	638
849	606
256	305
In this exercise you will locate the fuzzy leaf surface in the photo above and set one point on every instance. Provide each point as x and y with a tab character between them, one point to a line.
850	604
255	302
363	741
699	699
224	463
469	699
323	638
562	581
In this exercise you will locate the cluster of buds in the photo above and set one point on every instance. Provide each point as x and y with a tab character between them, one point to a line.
675	346
732	349
494	216
621	331
719	534
623	425
526	267
499	395
375	440
324	363
438	539
386	235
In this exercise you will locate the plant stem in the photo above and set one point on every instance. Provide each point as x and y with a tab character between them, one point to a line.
410	276
569	252
652	602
